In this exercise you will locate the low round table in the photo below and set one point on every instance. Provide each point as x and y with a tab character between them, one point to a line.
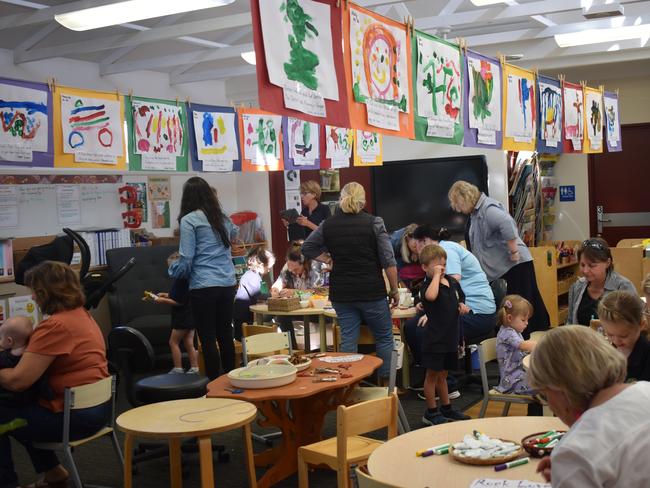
526	362
395	461
178	419
262	309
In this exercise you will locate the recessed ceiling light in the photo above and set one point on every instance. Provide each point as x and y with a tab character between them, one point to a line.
249	57
130	11
595	36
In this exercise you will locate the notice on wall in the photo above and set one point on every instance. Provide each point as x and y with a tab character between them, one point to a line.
68	204
8	206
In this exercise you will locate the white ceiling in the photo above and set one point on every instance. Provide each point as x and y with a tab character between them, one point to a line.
206	45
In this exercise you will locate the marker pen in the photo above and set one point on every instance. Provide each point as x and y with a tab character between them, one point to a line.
511	464
431	449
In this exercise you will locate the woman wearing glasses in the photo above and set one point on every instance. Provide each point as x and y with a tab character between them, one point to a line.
312	214
598	279
405	248
493	238
582	377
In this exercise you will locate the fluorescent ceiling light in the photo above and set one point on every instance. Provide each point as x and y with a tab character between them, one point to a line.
249	57
130	11
481	3
594	36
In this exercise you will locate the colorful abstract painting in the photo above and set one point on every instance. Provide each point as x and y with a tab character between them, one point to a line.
368	150
438	80
302	143
262	142
379	61
573	99
216	139
612	122
298	45
550	115
23	122
483	120
339	142
594	120
92	129
519	109
158	128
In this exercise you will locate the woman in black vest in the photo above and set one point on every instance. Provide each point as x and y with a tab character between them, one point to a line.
358	247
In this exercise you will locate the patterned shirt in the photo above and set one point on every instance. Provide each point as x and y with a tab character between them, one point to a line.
509	356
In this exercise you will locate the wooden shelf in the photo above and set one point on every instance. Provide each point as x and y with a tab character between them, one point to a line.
567	265
563	314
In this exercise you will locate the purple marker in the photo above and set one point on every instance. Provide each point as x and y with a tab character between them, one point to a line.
511	464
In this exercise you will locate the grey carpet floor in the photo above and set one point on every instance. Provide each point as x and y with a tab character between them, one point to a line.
98	463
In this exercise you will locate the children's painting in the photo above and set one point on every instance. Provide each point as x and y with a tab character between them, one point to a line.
612	122
367	149
262	138
24	122
595	119
216	139
573	115
379	61
484	94
158	131
140	206
298	45
520	113
92	129
302	137
439	85
339	145
550	113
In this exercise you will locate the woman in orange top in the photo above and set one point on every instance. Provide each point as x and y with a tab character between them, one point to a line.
68	347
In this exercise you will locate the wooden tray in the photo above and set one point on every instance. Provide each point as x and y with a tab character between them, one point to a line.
488	462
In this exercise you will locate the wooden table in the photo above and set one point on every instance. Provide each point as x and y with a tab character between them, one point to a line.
298	410
526	362
402	315
260	310
178	419
395	461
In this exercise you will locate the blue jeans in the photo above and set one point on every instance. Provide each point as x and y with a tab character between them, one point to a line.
376	315
43	425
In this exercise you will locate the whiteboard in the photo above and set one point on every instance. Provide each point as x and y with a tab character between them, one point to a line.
38	215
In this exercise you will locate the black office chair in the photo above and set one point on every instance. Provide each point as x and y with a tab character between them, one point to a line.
130	354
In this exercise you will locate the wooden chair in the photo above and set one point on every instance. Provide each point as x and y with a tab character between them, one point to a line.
364	480
348	447
265	344
487	352
365	337
76	398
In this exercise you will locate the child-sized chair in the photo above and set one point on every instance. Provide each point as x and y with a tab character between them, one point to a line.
348	447
79	397
487	351
265	344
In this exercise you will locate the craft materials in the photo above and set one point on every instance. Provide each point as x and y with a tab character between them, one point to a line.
343	359
325	379
478	448
234	391
434	448
512	464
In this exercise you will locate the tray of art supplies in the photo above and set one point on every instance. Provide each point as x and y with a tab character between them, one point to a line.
483	450
541	444
264	376
300	361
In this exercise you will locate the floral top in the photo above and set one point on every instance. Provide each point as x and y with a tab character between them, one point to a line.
509	356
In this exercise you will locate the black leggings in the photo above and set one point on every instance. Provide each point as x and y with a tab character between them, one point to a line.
521	281
212	309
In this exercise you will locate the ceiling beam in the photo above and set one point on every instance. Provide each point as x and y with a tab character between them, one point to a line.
122	40
581	57
47	14
214	74
193	57
37	37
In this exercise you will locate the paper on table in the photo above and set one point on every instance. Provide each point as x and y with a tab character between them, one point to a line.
495	483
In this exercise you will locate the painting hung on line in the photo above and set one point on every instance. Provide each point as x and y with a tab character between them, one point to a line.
159	133
262	138
216	140
339	145
303	141
550	109
595	118
612	122
438	74
484	94
520	110
379	61
24	122
92	129
298	45
573	115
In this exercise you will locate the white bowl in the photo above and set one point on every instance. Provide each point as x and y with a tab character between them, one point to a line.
280	359
267	376
304	303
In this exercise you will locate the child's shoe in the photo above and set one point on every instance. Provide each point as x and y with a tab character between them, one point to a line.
434	418
192	371
453	414
177	371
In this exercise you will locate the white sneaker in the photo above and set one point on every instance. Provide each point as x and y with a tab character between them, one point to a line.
177	371
192	371
452	395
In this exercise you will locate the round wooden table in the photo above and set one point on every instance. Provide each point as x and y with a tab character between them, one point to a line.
178	419
526	362
298	410
262	309
395	461
402	315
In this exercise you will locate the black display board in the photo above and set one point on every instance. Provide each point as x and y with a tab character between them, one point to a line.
416	190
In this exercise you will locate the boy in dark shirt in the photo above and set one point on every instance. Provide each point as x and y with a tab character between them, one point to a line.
441	299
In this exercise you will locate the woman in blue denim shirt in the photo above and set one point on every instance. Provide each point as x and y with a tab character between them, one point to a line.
206	261
494	240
